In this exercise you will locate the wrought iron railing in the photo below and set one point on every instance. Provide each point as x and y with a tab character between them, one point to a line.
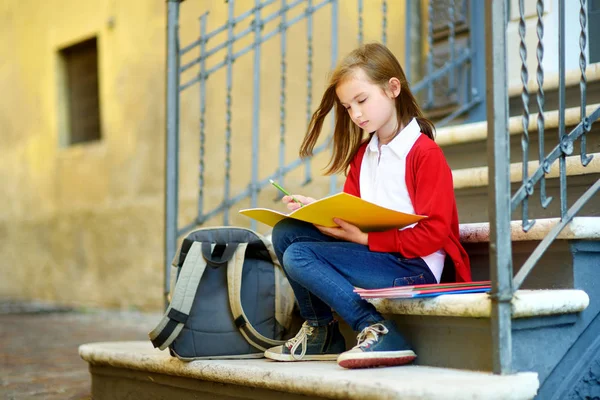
257	23
502	204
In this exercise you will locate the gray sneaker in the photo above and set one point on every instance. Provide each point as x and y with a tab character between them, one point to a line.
311	343
379	345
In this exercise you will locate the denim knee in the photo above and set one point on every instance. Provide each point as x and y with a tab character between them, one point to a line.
286	231
294	258
282	231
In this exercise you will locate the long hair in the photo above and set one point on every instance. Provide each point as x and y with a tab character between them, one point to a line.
380	65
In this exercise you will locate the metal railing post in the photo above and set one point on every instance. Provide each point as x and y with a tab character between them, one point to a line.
334	58
499	189
407	39
172	139
254	188
477	71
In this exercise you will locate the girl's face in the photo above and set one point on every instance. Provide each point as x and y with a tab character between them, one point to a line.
369	106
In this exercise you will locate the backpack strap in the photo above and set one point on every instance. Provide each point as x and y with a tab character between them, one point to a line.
284	295
234	282
178	311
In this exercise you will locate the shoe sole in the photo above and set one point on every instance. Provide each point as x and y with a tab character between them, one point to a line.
307	357
376	359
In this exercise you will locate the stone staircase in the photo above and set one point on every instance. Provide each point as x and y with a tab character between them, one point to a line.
556	315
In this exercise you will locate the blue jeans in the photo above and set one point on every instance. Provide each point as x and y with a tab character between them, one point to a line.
323	272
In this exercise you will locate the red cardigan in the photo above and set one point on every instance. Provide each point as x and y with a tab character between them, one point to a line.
429	184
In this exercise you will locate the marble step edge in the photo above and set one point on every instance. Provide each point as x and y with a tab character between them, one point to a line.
525	303
579	228
477	131
551	80
478	176
318	378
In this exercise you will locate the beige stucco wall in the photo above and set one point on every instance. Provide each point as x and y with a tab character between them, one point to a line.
83	225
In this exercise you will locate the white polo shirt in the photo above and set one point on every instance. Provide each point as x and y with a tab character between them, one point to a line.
383	181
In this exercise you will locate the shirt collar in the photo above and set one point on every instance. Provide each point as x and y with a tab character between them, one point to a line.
403	141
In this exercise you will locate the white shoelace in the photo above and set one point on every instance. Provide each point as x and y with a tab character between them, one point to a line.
370	335
300	339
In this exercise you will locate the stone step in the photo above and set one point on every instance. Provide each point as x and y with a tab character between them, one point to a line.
120	369
465	145
550	91
525	304
478	176
556	269
471	189
578	228
550	87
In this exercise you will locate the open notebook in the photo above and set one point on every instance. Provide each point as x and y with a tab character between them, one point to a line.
367	216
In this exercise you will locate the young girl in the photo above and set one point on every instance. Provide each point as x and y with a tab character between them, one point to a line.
398	166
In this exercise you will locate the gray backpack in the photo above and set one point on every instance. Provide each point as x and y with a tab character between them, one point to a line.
230	297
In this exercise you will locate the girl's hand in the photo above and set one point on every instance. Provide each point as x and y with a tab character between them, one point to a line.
345	231
292	205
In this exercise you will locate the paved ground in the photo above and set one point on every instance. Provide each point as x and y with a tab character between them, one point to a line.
38	347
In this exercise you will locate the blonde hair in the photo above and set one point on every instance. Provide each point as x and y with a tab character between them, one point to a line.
379	65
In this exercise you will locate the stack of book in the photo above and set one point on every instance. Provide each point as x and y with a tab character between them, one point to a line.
408	292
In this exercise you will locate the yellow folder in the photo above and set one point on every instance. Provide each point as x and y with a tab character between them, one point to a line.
365	215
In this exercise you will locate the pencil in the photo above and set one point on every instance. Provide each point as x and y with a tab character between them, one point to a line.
285	192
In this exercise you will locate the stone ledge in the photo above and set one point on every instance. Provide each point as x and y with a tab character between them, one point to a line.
478	176
551	80
578	228
525	303
477	131
322	379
